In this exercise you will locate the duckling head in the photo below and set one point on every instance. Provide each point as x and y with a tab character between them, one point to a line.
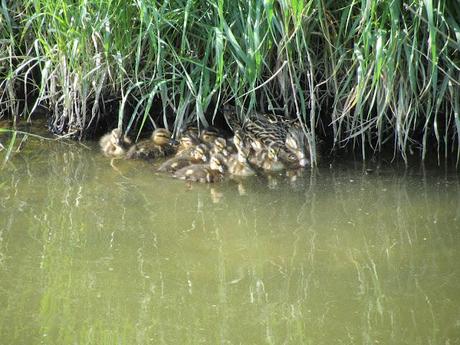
187	140
209	134
217	163
272	154
190	129
161	136
200	153
116	136
220	146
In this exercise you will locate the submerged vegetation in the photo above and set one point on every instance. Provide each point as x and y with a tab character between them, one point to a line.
361	75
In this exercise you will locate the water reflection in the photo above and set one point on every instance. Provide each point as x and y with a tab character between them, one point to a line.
98	252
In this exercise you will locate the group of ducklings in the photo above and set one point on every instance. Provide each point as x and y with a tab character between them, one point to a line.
207	156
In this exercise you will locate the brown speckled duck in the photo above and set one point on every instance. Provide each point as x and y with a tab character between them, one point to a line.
269	130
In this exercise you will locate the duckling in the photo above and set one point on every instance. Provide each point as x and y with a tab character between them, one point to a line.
238	165
190	129
204	173
198	155
209	134
219	146
158	145
268	160
187	142
114	144
248	146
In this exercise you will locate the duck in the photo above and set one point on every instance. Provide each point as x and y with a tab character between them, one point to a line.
114	143
198	155
269	130
158	145
204	173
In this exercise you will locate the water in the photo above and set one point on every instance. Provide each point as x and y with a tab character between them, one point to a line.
94	253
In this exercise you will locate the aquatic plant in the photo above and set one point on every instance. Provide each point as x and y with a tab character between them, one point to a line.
363	75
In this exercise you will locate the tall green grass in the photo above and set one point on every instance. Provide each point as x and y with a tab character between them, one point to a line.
364	74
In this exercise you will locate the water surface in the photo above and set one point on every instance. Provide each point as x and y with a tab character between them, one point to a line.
101	252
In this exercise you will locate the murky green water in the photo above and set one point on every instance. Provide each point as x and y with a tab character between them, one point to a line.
97	254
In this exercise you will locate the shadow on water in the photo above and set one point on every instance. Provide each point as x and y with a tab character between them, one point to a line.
99	253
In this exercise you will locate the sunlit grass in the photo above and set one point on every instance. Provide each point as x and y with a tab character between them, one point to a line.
365	74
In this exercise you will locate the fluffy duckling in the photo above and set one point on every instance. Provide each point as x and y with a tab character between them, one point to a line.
158	145
190	129
248	146
238	165
198	155
114	144
187	142
209	134
268	160
219	147
204	173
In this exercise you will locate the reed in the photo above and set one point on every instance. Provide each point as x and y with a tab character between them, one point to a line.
364	75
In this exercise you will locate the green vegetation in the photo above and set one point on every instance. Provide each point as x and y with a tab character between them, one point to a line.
362	74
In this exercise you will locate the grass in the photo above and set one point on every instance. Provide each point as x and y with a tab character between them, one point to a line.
364	75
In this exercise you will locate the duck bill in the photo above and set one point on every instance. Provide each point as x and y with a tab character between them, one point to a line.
303	162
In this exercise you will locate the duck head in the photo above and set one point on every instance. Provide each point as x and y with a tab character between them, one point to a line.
297	143
161	136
